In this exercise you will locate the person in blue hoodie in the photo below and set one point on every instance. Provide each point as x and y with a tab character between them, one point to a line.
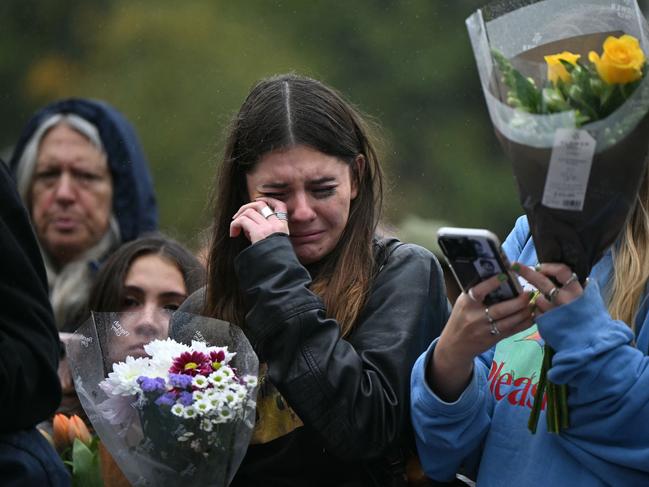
85	181
472	391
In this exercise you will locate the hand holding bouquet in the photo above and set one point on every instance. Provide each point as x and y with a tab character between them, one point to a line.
566	90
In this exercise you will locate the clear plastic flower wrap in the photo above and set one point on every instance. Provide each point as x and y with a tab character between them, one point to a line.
577	176
169	413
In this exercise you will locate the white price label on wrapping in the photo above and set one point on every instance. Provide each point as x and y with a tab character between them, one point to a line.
567	179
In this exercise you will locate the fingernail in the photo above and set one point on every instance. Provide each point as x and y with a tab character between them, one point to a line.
516	267
502	277
537	267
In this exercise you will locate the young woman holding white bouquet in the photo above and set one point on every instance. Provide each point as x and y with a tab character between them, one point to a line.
336	314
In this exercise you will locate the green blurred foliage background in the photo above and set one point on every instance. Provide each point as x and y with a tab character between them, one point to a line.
179	71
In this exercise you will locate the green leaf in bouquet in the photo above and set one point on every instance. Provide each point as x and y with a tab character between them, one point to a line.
601	90
523	93
614	98
579	99
627	89
553	101
85	464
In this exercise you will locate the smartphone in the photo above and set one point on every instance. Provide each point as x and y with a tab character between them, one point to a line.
474	254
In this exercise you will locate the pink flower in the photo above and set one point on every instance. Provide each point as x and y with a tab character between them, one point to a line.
216	358
191	363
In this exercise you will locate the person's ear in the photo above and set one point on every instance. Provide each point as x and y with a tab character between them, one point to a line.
358	166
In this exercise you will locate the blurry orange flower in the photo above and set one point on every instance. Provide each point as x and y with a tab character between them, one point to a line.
67	429
78	429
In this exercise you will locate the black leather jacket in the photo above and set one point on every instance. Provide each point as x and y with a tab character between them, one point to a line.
351	394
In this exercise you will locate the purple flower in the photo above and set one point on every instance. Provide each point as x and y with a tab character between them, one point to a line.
151	385
180	381
167	399
186	398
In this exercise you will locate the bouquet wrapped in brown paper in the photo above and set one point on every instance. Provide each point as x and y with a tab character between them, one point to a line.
566	90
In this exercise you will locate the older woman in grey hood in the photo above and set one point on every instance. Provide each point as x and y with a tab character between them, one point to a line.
85	182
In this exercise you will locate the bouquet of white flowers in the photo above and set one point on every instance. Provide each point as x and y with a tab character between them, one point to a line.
168	412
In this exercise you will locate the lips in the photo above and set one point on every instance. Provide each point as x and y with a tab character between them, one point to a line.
64	224
306	237
137	350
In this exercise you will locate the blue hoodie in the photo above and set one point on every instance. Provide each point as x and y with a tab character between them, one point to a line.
485	431
134	203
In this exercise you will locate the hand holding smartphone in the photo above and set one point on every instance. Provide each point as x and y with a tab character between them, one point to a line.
475	255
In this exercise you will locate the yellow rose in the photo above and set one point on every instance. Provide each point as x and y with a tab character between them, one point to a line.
621	62
556	70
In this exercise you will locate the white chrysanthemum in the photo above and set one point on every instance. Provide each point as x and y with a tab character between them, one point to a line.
226	371
178	409
240	391
122	381
189	412
215	398
200	381
165	350
163	353
250	381
203	406
200	346
160	368
230	399
217	379
206	425
199	395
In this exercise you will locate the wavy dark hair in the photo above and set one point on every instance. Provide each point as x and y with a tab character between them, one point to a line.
107	292
282	112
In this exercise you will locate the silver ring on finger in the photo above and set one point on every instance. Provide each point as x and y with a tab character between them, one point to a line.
572	279
281	215
472	296
494	329
492	323
489	317
266	211
552	293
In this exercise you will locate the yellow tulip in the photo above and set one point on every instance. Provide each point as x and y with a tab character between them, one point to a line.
621	62
556	70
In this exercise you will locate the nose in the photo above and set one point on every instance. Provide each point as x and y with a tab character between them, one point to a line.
300	209
152	322
65	191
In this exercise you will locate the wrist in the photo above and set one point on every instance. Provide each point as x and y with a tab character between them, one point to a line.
448	373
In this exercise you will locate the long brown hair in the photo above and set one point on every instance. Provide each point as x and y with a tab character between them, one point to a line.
107	292
282	112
